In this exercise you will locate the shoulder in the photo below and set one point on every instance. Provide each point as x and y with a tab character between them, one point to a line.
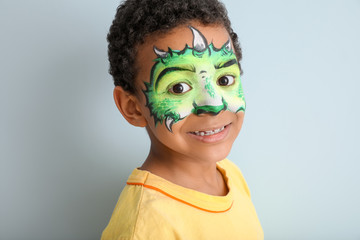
234	174
140	213
124	217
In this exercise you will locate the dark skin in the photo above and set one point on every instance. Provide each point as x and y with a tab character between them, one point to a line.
179	156
183	172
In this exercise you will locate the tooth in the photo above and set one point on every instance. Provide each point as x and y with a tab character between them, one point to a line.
207	133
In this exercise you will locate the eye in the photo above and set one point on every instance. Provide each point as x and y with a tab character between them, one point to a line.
226	80
180	88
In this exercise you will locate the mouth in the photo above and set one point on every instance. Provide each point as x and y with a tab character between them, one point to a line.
210	132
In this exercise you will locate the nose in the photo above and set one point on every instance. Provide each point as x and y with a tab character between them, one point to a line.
209	109
209	100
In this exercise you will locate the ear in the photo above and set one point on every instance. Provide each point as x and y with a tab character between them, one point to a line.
129	106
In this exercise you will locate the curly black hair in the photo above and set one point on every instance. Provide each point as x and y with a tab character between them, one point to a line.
136	19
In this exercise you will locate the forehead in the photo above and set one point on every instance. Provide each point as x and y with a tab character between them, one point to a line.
176	39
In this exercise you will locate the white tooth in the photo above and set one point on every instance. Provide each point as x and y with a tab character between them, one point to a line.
207	133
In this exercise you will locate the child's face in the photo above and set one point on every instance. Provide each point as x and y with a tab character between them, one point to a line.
192	96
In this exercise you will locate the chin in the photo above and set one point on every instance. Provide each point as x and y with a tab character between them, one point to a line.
214	154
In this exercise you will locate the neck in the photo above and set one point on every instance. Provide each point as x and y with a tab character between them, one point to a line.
196	174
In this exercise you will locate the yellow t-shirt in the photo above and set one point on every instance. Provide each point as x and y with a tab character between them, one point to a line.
151	207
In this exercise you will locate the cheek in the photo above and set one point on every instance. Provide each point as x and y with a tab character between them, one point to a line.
173	140
235	99
166	109
240	117
237	124
171	106
147	115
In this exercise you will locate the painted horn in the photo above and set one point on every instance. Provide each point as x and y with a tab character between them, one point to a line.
228	45
199	43
160	53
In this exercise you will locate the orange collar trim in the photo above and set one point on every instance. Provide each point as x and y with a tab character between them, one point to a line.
177	199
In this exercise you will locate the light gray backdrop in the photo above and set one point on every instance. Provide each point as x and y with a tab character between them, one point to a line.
66	152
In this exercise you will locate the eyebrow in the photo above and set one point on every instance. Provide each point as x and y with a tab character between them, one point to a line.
227	64
169	70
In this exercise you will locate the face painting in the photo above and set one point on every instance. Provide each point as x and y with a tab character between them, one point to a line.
198	80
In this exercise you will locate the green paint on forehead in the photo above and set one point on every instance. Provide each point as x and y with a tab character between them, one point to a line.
197	70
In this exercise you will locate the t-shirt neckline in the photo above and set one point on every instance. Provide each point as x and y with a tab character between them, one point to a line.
193	198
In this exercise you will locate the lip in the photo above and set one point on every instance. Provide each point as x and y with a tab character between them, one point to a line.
216	137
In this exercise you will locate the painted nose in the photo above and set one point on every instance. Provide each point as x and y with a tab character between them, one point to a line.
208	109
209	101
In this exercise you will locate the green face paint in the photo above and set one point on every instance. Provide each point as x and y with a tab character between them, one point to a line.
197	80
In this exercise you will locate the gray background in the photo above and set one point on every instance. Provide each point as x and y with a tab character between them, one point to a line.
66	151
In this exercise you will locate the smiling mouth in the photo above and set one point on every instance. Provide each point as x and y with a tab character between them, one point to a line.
210	132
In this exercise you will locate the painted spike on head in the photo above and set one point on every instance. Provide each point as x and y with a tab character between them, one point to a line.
160	53
228	45
199	43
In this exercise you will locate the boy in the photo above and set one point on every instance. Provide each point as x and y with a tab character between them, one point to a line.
177	73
